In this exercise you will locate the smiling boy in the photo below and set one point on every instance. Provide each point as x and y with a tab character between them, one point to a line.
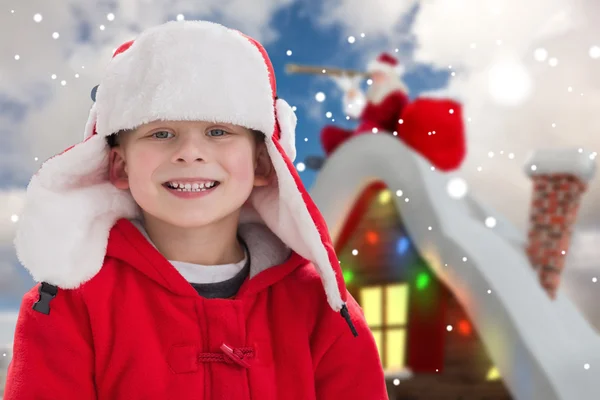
178	253
215	165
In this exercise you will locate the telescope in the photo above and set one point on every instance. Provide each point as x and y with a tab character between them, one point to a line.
316	70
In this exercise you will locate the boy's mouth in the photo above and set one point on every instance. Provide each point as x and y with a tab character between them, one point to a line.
197	186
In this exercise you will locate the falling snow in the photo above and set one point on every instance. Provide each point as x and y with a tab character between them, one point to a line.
457	188
490	222
540	54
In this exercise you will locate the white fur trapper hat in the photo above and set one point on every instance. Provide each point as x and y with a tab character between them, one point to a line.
165	74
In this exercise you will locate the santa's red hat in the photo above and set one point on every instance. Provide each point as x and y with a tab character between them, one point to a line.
185	70
386	63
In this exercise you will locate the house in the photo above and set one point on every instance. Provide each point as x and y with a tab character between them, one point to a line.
459	310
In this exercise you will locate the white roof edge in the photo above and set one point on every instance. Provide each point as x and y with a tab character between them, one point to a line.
562	161
538	358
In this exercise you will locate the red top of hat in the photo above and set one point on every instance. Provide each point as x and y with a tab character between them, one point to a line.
387	58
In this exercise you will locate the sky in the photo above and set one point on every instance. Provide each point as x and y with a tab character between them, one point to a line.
527	78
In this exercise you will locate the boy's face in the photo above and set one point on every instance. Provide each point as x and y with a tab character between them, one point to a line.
170	167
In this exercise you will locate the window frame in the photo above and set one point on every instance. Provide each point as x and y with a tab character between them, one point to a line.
384	327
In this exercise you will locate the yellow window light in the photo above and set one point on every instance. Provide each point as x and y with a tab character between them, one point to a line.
397	304
371	302
395	348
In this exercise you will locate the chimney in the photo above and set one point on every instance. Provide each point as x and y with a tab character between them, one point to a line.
559	179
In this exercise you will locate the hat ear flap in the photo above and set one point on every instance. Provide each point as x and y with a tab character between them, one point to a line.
90	126
286	118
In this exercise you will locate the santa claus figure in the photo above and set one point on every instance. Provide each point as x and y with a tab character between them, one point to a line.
378	110
432	127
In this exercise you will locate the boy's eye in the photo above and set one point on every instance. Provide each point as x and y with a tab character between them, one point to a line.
217	132
162	134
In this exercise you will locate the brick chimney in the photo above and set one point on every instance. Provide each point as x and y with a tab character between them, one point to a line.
559	179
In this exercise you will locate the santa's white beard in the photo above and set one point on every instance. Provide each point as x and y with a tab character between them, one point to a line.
377	92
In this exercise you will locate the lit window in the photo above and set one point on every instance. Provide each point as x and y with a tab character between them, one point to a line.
386	312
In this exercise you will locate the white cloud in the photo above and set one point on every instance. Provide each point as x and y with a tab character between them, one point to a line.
445	30
11	204
12	283
374	18
8	321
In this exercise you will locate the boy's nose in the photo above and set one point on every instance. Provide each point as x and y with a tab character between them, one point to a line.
190	150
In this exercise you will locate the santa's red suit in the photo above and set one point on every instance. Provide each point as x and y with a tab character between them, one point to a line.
378	111
375	117
431	127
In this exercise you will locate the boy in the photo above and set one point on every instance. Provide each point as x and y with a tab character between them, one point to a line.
179	254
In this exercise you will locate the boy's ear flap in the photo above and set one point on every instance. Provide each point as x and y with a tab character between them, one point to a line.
286	117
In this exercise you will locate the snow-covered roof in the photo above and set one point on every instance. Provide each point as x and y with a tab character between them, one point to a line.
539	346
562	161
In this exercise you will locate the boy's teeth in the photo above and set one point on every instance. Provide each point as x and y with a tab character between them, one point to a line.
191	187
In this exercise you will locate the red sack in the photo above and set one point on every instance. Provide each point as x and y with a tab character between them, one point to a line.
446	148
